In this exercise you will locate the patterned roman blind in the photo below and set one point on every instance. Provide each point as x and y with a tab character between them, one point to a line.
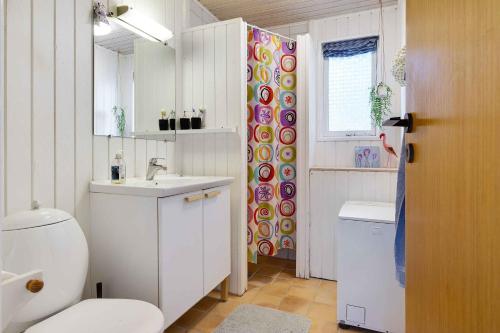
351	47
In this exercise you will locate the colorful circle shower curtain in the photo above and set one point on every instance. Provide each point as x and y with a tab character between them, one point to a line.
271	99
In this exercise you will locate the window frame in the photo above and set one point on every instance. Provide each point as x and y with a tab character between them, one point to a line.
323	133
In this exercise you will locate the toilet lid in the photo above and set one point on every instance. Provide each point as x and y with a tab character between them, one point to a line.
104	316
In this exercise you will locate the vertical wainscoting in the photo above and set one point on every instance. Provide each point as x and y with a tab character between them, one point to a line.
335	180
214	75
136	152
48	99
329	190
366	23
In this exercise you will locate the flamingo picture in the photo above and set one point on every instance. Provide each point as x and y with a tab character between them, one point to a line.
388	148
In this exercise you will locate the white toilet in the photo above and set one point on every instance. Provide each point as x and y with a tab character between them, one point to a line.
51	240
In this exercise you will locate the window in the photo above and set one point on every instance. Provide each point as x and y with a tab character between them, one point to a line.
349	73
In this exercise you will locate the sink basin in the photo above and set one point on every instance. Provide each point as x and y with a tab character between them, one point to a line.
161	186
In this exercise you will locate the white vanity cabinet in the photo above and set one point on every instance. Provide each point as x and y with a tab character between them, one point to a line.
170	251
194	247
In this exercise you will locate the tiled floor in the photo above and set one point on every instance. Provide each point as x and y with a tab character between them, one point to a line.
272	284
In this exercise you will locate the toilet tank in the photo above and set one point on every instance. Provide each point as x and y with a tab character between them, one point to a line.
52	241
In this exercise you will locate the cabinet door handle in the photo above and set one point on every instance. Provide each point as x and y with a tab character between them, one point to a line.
212	194
193	198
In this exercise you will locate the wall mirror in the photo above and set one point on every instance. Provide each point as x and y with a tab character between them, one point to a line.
134	77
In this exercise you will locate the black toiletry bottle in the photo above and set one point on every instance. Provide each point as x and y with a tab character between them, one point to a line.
195	121
185	122
171	121
163	121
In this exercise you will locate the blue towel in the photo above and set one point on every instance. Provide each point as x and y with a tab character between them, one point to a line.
399	243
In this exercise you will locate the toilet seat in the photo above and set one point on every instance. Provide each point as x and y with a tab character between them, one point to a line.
104	316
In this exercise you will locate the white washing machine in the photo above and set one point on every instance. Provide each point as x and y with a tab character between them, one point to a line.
369	296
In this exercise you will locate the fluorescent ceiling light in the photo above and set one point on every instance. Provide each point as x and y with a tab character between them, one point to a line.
101	29
142	25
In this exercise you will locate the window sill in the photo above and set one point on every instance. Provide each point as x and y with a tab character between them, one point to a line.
348	138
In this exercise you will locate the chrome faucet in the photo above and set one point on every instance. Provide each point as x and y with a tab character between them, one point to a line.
154	167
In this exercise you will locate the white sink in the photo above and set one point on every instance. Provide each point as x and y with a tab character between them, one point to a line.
161	186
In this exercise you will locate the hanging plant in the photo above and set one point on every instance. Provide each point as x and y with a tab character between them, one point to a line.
119	114
399	67
381	93
380	101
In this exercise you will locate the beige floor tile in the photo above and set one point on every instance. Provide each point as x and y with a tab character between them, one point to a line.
277	288
214	294
175	329
313	283
322	312
321	326
267	300
190	318
226	308
209	322
328	297
328	285
206	303
294	305
252	268
306	293
278	262
246	297
287	274
260	280
269	270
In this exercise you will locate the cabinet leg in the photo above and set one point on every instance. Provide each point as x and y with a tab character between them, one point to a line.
224	289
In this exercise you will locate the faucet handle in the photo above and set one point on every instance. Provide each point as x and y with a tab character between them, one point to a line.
154	160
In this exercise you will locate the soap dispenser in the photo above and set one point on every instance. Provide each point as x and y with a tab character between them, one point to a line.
163	121
195	121
118	169
185	122
171	121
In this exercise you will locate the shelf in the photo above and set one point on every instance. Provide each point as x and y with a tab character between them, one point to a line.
321	168
171	134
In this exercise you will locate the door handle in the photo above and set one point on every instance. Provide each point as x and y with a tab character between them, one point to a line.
212	194
193	198
406	122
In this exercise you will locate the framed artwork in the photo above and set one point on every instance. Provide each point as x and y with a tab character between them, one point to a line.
367	157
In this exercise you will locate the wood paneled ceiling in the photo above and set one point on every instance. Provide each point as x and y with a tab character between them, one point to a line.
266	13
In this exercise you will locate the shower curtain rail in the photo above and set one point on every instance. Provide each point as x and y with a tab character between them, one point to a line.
271	32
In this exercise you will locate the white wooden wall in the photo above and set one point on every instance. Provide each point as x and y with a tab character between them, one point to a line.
214	77
366	23
137	152
330	188
48	115
47	134
329	191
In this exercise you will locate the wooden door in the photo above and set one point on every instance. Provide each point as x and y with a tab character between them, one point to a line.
452	188
216	237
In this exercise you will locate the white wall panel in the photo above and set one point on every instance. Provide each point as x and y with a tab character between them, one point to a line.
65	106
214	78
366	23
220	75
18	161
329	191
43	102
83	117
48	150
